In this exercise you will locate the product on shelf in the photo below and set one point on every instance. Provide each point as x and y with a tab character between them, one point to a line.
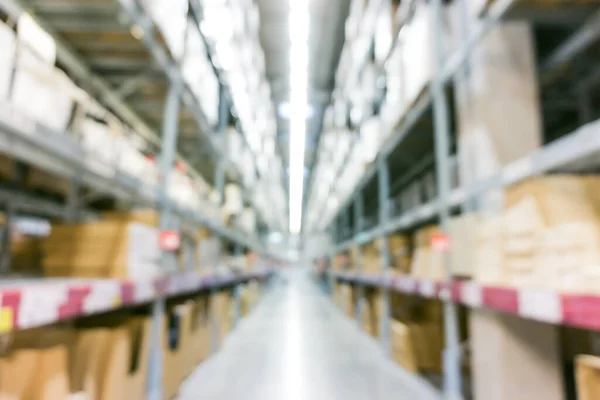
26	255
105	249
40	180
548	237
110	357
222	307
427	263
42	91
34	365
200	331
463	238
176	342
399	246
499	95
372	311
403	351
418	325
587	375
514	358
7	44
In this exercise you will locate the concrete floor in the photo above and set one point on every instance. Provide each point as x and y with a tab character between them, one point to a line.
296	345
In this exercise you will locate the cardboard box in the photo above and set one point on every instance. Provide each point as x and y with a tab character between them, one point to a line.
500	96
110	357
587	376
41	91
38	179
26	256
35	365
463	244
403	351
107	249
514	358
200	330
426	263
372	312
176	344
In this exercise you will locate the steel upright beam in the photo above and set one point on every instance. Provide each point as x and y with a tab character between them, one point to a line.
452	372
383	178
168	259
222	140
358	228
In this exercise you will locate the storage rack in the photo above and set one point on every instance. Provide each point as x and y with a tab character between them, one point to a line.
28	303
571	152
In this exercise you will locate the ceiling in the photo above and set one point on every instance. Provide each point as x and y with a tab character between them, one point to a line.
326	37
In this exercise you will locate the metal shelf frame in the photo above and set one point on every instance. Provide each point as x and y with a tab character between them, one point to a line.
61	154
562	154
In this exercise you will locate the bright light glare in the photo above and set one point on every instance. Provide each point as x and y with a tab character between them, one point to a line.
298	25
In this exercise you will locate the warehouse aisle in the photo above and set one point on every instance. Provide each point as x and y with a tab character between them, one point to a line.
296	346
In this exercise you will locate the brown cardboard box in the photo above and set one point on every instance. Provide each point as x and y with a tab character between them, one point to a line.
426	263
35	365
176	337
403	351
372	312
200	329
222	307
400	253
43	181
26	256
500	96
463	238
107	249
587	376
514	358
111	362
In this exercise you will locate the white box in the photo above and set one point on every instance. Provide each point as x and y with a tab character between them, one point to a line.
7	44
42	92
97	140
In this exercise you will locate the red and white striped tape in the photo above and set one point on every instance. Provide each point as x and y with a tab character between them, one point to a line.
577	310
29	305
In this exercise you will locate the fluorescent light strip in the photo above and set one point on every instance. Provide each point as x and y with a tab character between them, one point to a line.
298	30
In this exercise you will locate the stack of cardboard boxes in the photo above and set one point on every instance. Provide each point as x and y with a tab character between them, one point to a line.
548	236
417	334
106	357
105	249
426	262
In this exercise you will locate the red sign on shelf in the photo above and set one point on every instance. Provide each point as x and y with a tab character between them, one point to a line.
440	242
169	240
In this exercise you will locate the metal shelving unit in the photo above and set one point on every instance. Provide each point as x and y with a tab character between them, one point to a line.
575	149
95	47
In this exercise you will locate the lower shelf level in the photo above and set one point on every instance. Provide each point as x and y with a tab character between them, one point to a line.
297	345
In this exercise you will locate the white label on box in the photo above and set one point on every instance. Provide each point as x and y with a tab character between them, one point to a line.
472	294
40	305
102	296
427	288
517	170
540	305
